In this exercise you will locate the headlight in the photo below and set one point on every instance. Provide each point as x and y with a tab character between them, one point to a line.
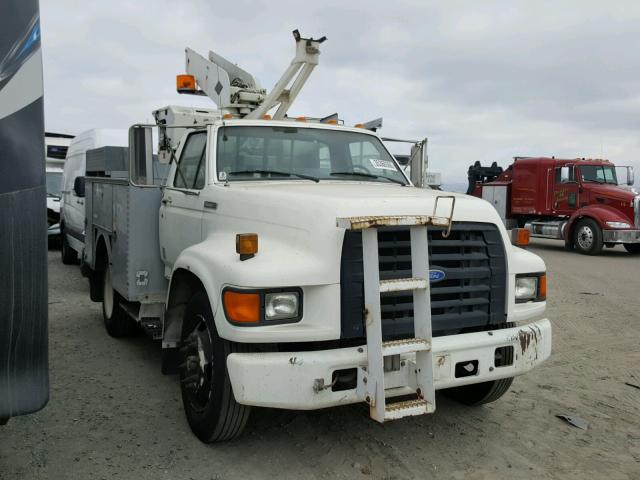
618	225
254	307
280	306
531	287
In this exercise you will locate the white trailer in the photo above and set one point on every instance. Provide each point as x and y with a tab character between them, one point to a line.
290	263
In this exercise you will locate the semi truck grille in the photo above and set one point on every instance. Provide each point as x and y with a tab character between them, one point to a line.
470	297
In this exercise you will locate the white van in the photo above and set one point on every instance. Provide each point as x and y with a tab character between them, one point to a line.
72	202
56	147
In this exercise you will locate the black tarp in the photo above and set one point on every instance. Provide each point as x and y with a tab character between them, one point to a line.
24	378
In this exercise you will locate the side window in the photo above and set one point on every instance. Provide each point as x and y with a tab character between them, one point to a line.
566	174
190	172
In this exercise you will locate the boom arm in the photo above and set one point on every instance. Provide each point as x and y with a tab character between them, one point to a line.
238	92
305	60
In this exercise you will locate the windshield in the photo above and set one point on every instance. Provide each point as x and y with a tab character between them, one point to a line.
292	153
599	174
54	183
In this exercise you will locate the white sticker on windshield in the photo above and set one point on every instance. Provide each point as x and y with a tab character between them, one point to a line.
382	164
222	176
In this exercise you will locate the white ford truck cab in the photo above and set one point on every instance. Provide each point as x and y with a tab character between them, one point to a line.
292	264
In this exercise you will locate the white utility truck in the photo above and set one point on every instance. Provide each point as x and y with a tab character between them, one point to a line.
290	263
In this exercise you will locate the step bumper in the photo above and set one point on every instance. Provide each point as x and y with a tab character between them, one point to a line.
301	380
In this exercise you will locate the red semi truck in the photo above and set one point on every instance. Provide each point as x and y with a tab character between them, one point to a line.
576	200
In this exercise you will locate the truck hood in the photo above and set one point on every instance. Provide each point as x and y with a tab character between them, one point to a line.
307	205
613	192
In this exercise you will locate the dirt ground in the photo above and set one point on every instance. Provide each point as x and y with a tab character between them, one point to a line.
112	414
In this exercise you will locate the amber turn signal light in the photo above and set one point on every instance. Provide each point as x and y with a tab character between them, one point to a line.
242	307
542	288
185	83
246	245
520	237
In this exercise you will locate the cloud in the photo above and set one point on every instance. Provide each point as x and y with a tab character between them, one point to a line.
483	80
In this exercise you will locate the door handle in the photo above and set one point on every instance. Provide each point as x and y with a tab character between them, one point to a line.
166	201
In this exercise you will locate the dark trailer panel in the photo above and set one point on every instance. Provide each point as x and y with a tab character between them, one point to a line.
24	378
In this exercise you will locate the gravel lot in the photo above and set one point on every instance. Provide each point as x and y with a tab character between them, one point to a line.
112	414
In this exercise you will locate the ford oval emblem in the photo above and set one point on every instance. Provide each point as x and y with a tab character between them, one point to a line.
436	276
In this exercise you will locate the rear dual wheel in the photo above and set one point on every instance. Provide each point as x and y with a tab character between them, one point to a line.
116	320
209	404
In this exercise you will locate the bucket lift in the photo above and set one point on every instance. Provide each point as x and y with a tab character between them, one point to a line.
237	92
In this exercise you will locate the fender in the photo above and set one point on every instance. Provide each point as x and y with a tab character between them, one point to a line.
598	213
216	267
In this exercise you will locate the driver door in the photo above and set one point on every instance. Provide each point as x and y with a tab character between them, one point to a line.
566	190
181	209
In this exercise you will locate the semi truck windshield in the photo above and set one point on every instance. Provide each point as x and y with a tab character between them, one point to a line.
284	153
598	174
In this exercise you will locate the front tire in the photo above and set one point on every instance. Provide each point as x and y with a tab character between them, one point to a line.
68	254
209	404
485	392
117	321
587	237
632	247
480	393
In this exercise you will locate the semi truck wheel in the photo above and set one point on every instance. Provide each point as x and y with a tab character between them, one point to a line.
117	322
69	255
209	404
632	247
587	237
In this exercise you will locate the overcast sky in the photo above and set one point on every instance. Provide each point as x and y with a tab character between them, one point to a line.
483	80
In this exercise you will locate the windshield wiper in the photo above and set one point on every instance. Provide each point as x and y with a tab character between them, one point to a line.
370	175
54	195
274	172
593	180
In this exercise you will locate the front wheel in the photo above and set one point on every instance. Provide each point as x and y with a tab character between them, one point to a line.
632	247
587	237
209	404
69	255
480	393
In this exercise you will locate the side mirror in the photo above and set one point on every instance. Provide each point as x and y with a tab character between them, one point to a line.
564	174
79	186
141	155
418	163
630	176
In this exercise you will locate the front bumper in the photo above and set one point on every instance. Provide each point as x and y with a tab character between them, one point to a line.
53	230
287	379
621	236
